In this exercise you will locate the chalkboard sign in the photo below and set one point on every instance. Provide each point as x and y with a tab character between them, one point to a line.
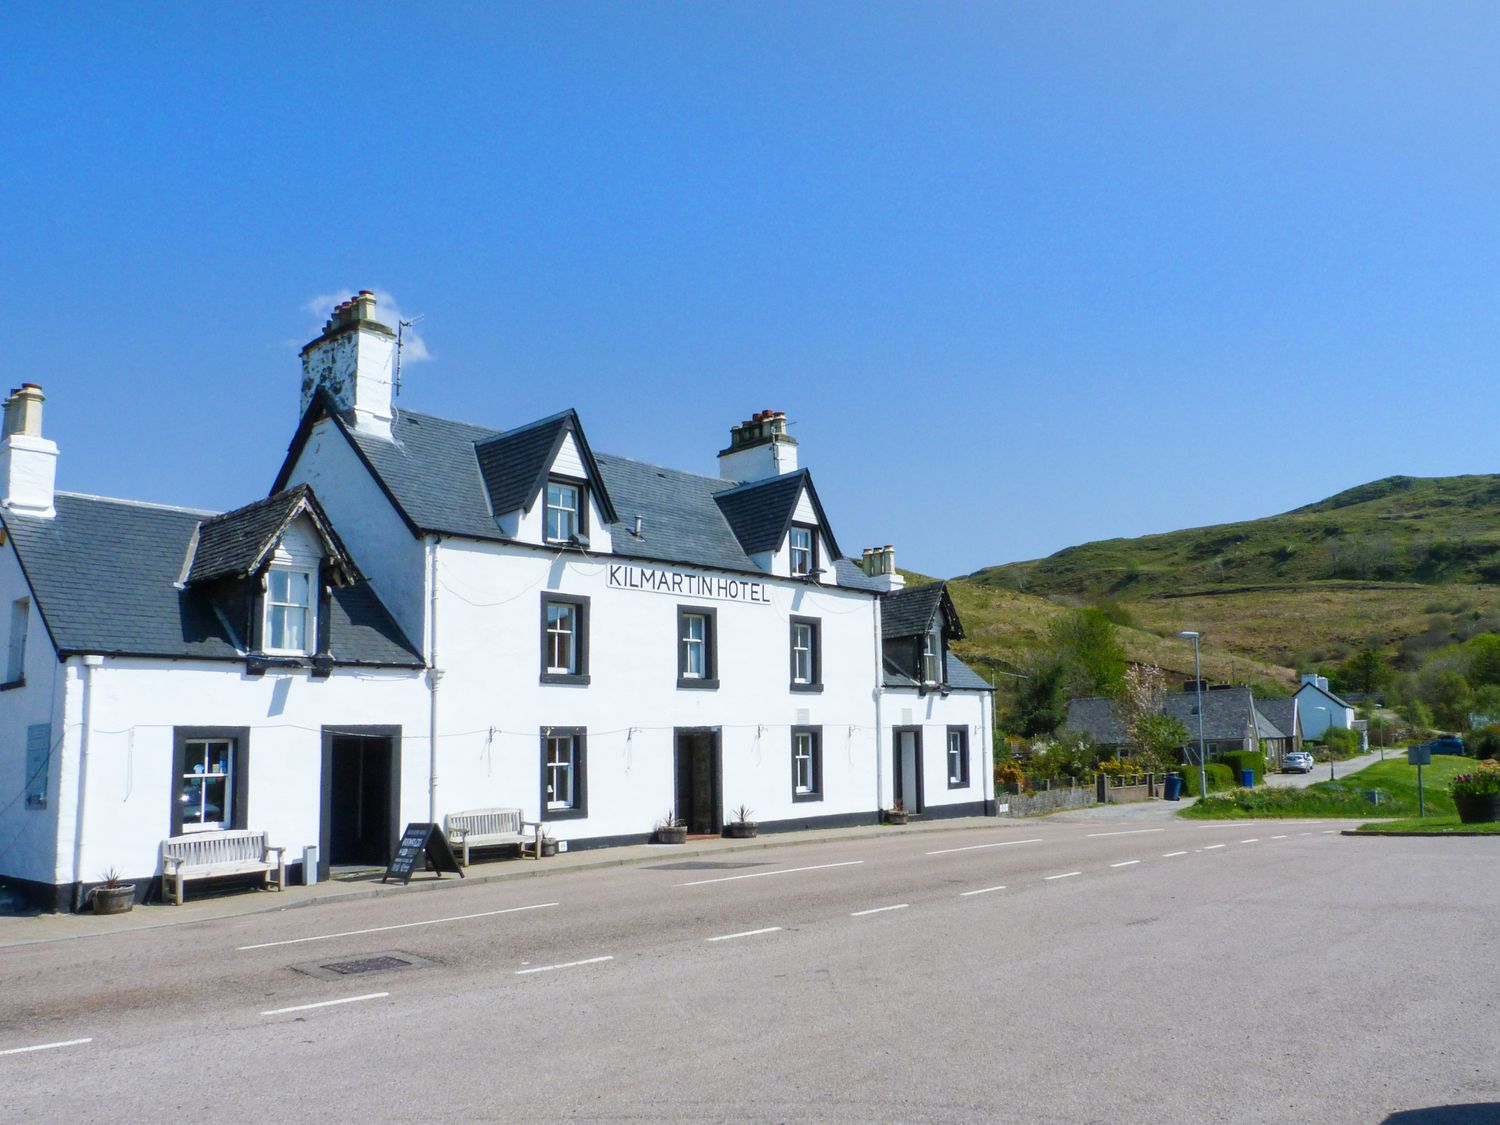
417	841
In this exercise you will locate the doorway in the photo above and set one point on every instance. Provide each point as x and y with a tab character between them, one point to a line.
698	785
361	797
908	765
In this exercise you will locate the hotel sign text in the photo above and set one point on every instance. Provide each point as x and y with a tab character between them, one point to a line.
624	577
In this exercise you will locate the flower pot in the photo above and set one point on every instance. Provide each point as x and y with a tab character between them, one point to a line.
740	829
113	900
677	835
1481	809
896	816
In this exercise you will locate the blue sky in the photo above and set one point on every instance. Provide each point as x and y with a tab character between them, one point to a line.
1022	277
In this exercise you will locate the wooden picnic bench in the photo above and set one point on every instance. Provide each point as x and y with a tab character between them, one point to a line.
208	855
488	828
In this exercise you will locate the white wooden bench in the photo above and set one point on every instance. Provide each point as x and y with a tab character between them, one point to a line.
207	855
486	828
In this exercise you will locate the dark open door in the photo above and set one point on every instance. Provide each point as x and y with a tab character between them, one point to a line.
361	798
699	798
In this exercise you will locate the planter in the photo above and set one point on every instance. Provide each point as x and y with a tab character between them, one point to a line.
1482	809
676	835
894	816
740	830
113	900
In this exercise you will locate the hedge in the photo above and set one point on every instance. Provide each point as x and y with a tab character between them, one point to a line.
1252	760
1219	777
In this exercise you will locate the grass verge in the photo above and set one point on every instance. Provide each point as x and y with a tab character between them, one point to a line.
1395	781
1440	825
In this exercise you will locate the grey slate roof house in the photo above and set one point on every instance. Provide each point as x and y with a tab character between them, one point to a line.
1231	720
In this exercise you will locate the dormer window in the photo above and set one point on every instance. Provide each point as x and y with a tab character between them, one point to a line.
290	622
801	541
932	657
564	505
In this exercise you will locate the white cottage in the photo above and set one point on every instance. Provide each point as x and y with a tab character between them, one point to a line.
429	616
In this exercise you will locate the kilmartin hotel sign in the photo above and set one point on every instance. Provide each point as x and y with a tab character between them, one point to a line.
626	577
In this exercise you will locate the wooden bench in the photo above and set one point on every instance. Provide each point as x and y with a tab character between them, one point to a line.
487	828
207	855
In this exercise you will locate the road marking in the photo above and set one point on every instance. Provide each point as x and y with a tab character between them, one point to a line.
1278	837
1131	832
745	933
1252	840
325	1004
1126	863
1330	831
763	874
1064	875
399	926
981	891
45	1046
1169	855
976	847
1211	847
564	965
878	910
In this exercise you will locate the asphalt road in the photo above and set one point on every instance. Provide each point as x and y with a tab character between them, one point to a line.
1036	971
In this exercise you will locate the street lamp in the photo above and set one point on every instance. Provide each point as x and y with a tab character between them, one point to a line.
1198	680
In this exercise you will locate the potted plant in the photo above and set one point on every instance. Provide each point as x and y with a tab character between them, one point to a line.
741	827
1477	795
113	895
896	814
670	829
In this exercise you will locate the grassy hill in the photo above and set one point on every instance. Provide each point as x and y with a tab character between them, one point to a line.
1403	564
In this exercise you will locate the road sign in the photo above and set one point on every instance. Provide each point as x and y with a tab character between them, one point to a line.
1420	755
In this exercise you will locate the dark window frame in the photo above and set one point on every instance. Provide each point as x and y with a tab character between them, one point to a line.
816	793
580	807
965	771
816	683
582	608
583	506
709	681
812	561
239	786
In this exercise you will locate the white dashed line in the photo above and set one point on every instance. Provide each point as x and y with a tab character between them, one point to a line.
763	874
1064	875
1330	831
1126	863
976	847
399	926
326	1004
1252	840
1211	847
45	1046
981	891
878	910
746	933
564	965
1131	832
1169	855
1278	837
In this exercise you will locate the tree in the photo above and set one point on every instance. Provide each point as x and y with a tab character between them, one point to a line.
1366	671
1041	699
1450	696
1086	642
1482	653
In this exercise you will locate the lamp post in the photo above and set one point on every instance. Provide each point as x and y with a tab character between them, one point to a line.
1198	682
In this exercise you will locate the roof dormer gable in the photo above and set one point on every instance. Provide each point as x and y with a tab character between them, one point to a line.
287	527
780	524
544	485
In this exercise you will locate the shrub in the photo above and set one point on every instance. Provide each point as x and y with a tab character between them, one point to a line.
1484	743
1252	760
1483	782
1219	778
1008	773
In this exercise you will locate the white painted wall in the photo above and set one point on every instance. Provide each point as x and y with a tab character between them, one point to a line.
934	714
1318	713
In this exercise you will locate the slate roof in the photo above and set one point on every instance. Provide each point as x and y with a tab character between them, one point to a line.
1282	713
909	612
514	464
960	676
236	544
760	512
1228	714
105	572
1325	692
435	475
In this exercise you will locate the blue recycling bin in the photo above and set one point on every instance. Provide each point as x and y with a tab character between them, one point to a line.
1174	787
1247	778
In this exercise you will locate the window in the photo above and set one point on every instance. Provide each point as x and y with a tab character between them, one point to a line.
958	757
807	763
563	772
564	511
807	661
697	647
15	664
289	623
932	657
564	640
210	778
803	550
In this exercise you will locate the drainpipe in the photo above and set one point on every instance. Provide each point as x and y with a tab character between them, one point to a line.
879	698
434	678
90	662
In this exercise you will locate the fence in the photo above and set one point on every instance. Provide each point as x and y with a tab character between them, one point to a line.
1049	799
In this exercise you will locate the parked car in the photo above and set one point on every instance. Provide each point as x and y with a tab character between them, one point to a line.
1446	744
1298	761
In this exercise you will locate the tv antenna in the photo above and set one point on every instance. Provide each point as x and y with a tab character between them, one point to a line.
401	327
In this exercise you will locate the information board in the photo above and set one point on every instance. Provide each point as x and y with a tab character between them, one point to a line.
1419	755
418	842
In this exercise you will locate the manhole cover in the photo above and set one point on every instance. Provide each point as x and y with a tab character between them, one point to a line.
703	865
387	962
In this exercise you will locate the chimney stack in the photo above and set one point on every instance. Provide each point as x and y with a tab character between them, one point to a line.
759	449
354	360
880	563
28	461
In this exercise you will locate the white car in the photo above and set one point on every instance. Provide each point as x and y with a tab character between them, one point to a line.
1298	761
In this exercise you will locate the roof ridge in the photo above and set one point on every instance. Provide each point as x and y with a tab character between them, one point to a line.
138	503
777	479
668	469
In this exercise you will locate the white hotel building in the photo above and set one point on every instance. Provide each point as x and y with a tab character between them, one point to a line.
429	616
